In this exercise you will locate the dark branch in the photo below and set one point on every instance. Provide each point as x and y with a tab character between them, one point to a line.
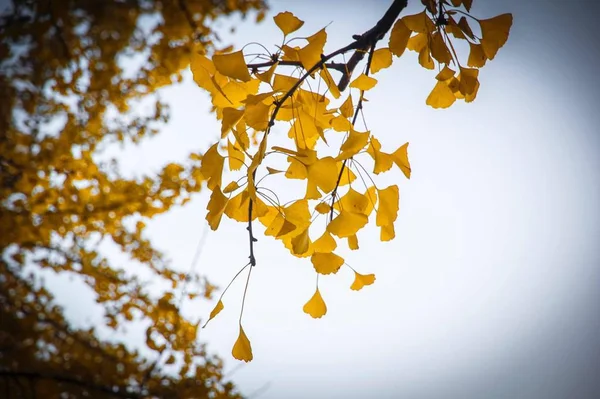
370	38
330	65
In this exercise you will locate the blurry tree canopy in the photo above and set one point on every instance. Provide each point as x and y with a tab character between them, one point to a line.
77	76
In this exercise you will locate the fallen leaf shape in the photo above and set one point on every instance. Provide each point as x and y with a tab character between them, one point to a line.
242	350
315	307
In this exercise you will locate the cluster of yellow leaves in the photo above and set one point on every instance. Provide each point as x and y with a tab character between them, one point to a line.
428	33
250	99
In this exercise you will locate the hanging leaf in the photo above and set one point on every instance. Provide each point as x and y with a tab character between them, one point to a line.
326	263
232	65
399	38
287	22
360	280
363	82
382	58
242	349
217	309
315	307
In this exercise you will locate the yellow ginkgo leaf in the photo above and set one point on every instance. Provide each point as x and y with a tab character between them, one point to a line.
420	23
441	96
301	243
215	312
203	69
326	76
283	83
468	82
439	50
257	116
323	174
399	38
382	58
242	350
360	280
477	58
400	157
371	195
445	74
355	142
235	156
463	24
287	22
352	201
311	53
231	116
326	263
315	307
347	223
231	187
212	167
322	208
425	58
387	233
363	82
325	244
267	75
387	211
347	108
353	242
494	33
232	65
383	161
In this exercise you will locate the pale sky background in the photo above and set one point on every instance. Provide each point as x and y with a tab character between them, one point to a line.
490	289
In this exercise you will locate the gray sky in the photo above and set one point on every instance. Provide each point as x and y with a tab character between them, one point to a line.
490	288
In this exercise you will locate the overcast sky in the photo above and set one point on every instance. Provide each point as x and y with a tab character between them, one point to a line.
491	287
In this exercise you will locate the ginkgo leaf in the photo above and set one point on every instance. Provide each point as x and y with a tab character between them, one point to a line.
202	69
212	167
439	50
352	201
267	75
468	80
383	161
445	74
273	171
216	206
323	174
387	211
371	195
217	309
417	42
494	33
347	108
242	350
477	58
301	243
399	38
400	157
296	170
382	58
257	116
355	142
420	23
311	53
326	76
322	208
232	65
284	83
441	96
353	242
463	24
387	233
235	156
231	187
360	280
287	22
231	116
347	223
315	307
425	58
363	82
326	263
325	244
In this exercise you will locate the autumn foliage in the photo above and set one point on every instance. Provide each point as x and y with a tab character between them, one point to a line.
288	114
293	89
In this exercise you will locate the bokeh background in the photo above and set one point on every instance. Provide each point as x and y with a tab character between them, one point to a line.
491	287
